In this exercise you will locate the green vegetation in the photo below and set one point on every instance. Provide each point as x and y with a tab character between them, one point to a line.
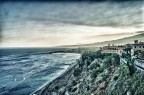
97	62
127	56
94	65
110	60
76	72
107	74
131	68
127	80
91	55
94	73
115	59
130	64
126	83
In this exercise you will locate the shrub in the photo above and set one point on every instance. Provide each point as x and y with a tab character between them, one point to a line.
107	62
74	83
93	65
116	59
74	89
94	73
112	59
126	55
91	55
131	68
99	70
76	72
115	78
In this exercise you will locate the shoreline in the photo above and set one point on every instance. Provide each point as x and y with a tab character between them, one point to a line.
50	75
60	77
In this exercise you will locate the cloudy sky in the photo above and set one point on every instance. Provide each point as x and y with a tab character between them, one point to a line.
46	24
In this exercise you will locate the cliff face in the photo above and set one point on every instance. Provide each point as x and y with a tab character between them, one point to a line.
97	74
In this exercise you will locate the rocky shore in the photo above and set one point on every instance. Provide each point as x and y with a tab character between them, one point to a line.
62	80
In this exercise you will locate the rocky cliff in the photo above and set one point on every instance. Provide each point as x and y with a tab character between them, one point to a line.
97	74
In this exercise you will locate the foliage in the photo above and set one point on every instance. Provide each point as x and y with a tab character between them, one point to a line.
127	56
76	72
125	82
94	65
91	55
115	78
74	83
115	59
112	59
107	61
131	68
93	74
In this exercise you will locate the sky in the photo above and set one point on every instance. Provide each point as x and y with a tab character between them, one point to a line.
47	24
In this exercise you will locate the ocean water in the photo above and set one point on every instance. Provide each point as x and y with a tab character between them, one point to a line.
23	71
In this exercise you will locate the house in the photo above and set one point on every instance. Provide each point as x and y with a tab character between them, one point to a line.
133	49
137	47
112	49
127	49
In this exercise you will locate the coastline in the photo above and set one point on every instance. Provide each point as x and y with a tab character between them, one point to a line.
34	60
44	90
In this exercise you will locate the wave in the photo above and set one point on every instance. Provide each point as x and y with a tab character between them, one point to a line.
23	73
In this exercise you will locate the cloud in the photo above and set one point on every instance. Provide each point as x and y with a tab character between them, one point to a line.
52	24
68	0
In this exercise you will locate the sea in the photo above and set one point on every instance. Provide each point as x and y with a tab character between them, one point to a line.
23	71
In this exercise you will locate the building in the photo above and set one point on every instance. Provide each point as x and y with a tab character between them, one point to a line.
127	49
132	49
137	47
112	49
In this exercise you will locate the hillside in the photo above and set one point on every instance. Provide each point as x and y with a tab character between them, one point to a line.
97	74
122	41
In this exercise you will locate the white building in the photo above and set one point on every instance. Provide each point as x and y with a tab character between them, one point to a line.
132	49
112	49
137	47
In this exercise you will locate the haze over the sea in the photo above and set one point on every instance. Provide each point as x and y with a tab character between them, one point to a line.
46	24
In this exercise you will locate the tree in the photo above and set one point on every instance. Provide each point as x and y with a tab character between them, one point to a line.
76	72
94	65
131	66
94	73
115	59
107	61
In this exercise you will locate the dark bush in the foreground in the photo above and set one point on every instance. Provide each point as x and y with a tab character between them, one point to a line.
94	65
116	59
74	83
112	59
94	73
76	72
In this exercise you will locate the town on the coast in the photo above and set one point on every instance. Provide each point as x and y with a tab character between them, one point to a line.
135	49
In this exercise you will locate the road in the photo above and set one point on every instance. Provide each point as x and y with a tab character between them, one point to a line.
139	64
